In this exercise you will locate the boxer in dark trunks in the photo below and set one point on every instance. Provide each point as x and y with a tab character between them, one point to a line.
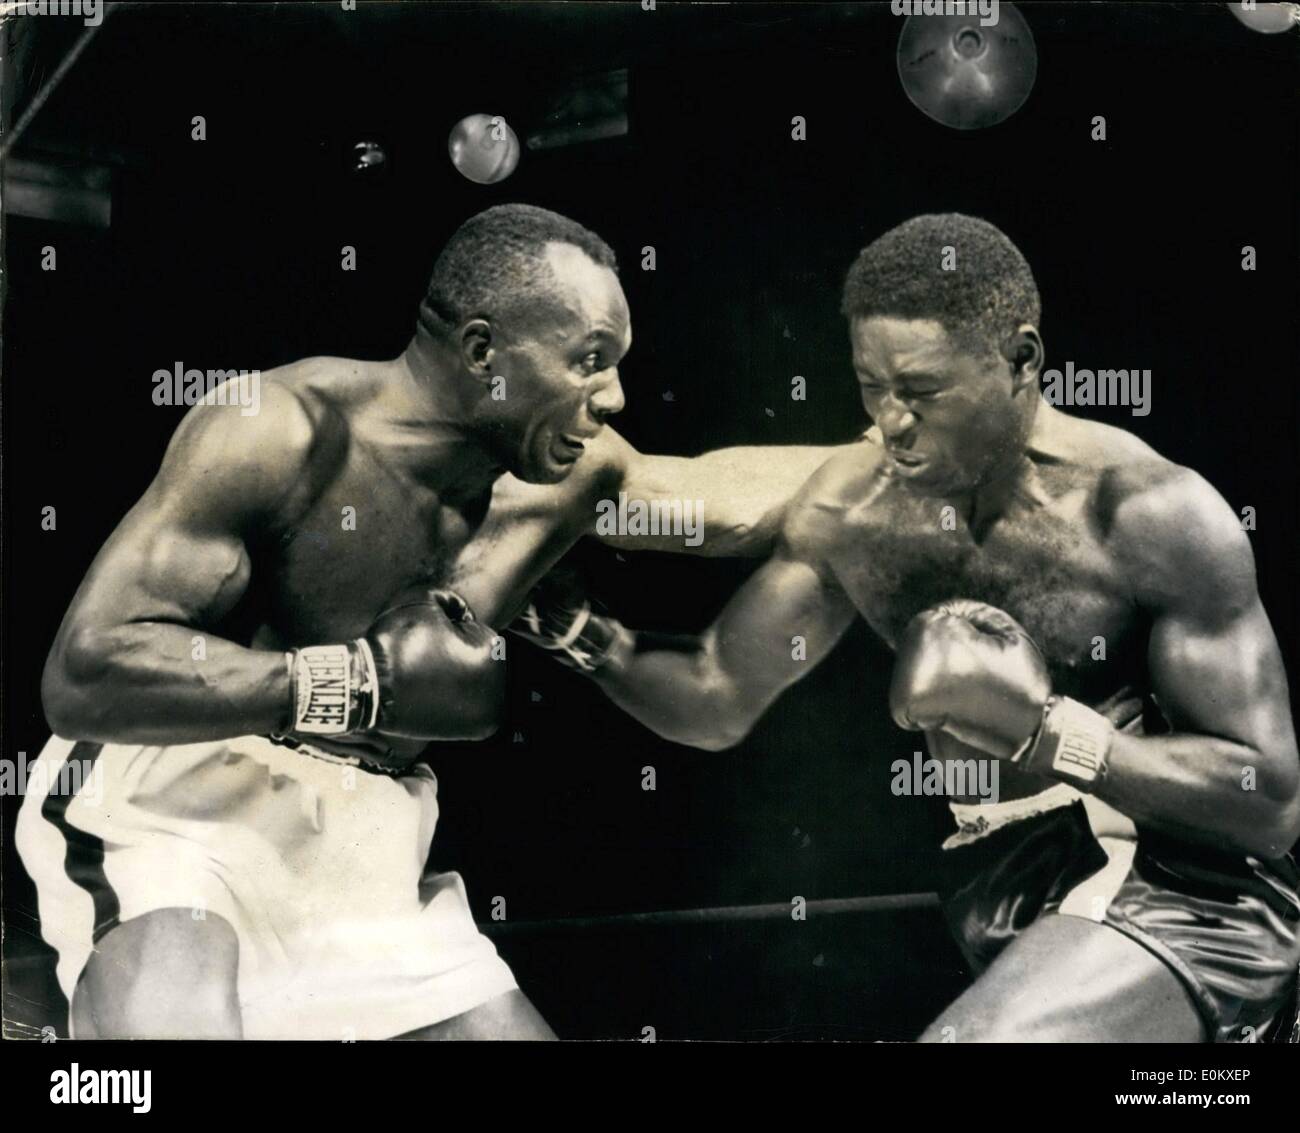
1048	583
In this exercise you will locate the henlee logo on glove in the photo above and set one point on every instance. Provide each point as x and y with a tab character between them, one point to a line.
1072	744
334	689
425	670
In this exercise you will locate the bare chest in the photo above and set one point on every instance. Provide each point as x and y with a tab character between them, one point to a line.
365	535
368	534
1047	567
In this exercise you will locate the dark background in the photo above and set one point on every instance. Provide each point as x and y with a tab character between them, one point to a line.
225	254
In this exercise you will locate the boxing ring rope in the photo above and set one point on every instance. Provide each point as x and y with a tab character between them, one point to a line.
718	914
42	96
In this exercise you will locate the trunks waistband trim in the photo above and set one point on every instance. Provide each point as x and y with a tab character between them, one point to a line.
979	820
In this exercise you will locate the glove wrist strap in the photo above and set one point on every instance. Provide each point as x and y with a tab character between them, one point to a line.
1072	744
334	689
585	642
594	645
623	643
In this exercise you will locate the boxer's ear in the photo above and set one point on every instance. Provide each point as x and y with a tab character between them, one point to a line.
477	349
1024	353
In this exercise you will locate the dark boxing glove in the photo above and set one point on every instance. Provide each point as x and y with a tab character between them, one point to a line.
970	670
424	669
560	618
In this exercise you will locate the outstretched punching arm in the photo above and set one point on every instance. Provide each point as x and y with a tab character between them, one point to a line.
731	501
709	690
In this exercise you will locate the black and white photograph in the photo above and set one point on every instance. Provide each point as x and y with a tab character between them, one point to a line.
639	523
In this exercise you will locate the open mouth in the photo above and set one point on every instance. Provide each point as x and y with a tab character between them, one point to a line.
907	463
906	459
568	448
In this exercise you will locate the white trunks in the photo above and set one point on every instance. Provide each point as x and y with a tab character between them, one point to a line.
318	866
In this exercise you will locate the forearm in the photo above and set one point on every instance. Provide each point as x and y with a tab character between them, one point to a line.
160	683
709	690
746	492
676	692
728	502
1204	789
971	671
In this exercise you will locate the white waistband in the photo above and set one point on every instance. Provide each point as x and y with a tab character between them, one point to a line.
978	820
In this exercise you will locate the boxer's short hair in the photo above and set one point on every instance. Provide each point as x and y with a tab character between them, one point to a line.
494	265
988	294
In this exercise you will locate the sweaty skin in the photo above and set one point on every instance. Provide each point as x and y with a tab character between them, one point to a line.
1086	536
241	536
239	540
293	526
977	489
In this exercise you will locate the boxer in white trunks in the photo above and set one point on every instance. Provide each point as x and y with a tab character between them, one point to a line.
300	601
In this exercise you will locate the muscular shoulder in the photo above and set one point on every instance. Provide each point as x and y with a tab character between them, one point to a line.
340	383
1171	535
815	521
1176	539
1087	449
240	460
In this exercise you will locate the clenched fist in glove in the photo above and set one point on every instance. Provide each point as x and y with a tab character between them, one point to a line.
423	670
561	618
970	670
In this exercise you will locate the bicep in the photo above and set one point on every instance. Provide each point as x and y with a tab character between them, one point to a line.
1220	673
1212	657
163	564
726	502
180	554
776	629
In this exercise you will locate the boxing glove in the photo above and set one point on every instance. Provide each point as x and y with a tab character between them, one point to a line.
971	671
425	669
560	618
